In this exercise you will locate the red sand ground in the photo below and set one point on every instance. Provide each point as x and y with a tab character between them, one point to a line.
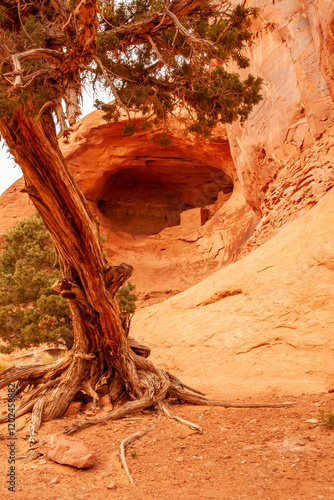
267	454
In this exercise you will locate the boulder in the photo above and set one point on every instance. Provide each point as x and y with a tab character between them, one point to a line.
74	453
73	408
105	400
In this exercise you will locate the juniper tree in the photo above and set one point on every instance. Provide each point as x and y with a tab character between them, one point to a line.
158	58
31	312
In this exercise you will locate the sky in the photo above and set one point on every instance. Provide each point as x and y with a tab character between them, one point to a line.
9	172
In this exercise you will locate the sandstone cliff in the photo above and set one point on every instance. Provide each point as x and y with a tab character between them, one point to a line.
292	50
262	325
181	213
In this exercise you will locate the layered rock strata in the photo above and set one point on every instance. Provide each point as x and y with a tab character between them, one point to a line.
179	213
292	50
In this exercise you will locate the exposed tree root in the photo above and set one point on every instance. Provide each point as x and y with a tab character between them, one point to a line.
128	441
36	419
33	452
46	390
120	412
199	400
191	425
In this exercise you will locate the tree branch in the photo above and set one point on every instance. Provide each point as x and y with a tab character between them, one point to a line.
137	31
159	56
185	32
37	53
22	25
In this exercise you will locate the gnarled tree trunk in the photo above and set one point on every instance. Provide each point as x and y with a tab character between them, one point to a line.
70	48
101	347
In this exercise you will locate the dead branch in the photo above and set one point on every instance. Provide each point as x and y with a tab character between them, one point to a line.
53	55
17	73
33	452
128	441
175	380
191	425
64	129
155	23
199	400
36	419
159	56
120	412
185	32
75	11
21	23
112	86
18	372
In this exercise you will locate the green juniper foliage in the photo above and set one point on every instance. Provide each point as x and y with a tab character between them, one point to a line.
127	299
180	68
155	78
30	311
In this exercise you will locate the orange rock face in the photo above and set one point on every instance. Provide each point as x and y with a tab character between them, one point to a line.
147	197
260	326
175	213
292	50
179	213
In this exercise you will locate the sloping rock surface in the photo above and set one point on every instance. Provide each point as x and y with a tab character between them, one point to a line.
262	325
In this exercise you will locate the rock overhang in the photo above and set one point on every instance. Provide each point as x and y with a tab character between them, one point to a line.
175	213
140	187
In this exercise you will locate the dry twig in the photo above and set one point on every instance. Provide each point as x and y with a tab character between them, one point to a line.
128	441
191	425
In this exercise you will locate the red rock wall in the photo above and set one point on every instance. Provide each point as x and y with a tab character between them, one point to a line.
292	51
259	174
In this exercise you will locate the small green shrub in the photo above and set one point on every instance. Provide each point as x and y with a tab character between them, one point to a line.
127	299
31	312
327	417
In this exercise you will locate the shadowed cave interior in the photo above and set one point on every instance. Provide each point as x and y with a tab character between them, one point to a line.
143	200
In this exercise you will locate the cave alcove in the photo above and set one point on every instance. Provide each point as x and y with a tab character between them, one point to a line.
144	201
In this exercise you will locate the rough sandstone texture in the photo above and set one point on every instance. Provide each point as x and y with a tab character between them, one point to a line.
67	452
260	326
181	213
292	50
147	197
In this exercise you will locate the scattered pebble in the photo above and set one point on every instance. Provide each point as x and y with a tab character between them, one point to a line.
112	486
105	474
179	459
54	480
